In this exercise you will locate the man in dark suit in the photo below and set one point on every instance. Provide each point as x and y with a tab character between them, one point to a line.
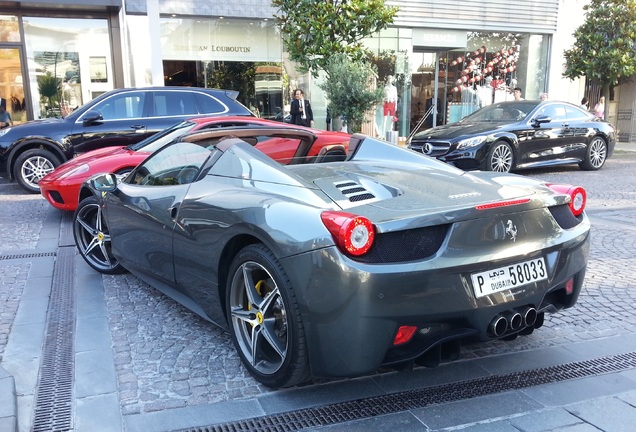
300	110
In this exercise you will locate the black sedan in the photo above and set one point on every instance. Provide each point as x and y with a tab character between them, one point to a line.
338	263
517	135
117	118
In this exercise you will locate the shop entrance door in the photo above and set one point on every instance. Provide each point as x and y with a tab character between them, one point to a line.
11	83
428	91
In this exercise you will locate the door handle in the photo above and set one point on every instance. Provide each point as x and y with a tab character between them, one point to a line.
138	128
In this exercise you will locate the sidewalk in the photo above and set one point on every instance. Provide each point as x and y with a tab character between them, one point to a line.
600	399
578	387
625	147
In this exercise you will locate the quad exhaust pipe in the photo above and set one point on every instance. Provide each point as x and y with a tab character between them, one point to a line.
529	315
512	321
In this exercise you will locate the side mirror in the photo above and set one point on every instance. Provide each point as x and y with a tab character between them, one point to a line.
541	119
104	182
92	116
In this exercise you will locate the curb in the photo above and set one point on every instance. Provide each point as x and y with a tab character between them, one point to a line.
8	402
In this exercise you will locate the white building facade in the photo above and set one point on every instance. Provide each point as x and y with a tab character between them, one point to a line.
446	58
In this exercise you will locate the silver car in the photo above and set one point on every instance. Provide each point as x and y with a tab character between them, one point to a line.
338	262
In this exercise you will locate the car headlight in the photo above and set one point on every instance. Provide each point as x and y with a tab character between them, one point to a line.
4	131
76	171
471	142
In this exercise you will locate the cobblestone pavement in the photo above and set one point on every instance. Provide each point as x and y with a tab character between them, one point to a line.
168	357
21	217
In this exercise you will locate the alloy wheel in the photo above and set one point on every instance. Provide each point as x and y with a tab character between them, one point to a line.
597	153
259	318
501	158
93	239
34	168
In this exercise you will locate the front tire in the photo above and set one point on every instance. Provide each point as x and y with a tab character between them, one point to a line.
92	237
264	319
500	157
31	166
595	155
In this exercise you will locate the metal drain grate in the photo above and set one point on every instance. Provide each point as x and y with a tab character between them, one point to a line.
54	393
66	230
28	255
387	404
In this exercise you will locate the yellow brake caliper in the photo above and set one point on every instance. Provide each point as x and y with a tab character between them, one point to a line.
259	314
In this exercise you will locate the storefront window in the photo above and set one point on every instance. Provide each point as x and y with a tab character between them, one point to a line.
11	88
69	62
233	54
491	67
466	79
9	28
392	53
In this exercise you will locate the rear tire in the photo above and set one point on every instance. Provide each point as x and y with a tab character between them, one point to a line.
31	166
595	155
264	319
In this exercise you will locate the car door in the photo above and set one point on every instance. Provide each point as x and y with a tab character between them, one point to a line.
143	210
119	120
548	141
578	122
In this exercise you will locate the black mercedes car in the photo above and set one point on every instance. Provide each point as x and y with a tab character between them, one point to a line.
517	135
117	118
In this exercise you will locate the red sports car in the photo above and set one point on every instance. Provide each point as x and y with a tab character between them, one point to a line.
61	187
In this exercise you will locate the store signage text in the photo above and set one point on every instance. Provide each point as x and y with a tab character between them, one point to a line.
215	48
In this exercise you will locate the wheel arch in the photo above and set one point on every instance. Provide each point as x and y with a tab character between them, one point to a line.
231	249
508	138
30	144
84	193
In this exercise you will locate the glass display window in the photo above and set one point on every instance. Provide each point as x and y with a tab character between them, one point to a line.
69	61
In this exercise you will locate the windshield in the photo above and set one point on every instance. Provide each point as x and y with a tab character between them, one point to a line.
162	138
502	112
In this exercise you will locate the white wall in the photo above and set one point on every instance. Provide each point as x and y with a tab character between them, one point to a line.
571	16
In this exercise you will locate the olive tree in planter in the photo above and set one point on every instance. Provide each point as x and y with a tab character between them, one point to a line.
350	89
49	88
314	31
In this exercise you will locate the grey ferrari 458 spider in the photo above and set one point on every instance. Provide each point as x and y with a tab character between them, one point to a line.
341	262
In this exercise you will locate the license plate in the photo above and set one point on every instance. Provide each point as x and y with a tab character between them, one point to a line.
508	277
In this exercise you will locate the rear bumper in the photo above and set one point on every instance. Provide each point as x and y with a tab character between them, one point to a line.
351	311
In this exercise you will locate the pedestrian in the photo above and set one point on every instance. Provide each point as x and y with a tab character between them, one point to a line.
599	108
5	118
585	104
517	93
300	110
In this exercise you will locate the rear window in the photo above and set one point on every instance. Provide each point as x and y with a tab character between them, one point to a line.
174	103
209	104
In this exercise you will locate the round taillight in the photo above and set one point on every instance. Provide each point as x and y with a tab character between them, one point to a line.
578	196
352	234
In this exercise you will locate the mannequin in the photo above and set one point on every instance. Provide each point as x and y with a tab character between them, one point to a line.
390	103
